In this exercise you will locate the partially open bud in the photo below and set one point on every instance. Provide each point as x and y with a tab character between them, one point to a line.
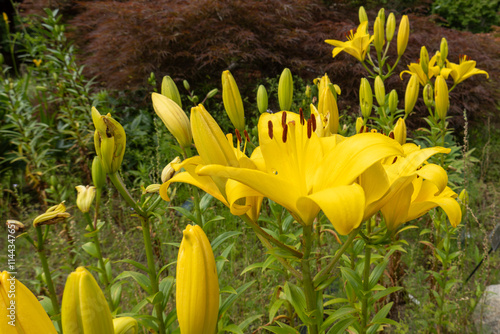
362	15
322	83
15	225
403	34
411	94
84	308
393	101
378	31
424	60
400	131
85	197
428	96
233	104
262	100
125	325
168	172
20	310
441	97
53	215
169	89
359	124
285	90
174	118
443	49
379	91
365	98
390	27
197	288
98	174
109	141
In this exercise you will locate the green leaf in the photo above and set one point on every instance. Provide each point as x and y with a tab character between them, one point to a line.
275	308
352	277
341	326
116	292
91	249
378	317
245	323
226	304
136	264
385	292
220	263
251	267
139	306
228	289
186	213
296	297
376	273
340	313
336	301
141	279
223	237
156	298
283	329
165	286
233	329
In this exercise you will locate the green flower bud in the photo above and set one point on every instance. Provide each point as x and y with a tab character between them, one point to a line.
186	85
393	101
232	101
411	94
362	15
262	100
212	93
169	89
390	27
381	15
441	97
109	141
443	49
365	98
378	31
424	59
428	96
379	91
403	35
98	174
125	325
308	91
285	90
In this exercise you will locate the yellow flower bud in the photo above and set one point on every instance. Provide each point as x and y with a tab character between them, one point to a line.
84	308
424	60
169	171
365	98
174	118
322	83
403	34
98	174
109	141
5	18
169	89
362	15
327	106
232	101
20	310
285	90
262	100
381	15
441	97
400	131
393	101
53	215
378	31
411	94
443	49
463	200
308	91
85	197
125	325
390	27
428	96
359	124
197	290
379	91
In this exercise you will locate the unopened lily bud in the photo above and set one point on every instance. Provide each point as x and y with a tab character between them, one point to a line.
174	118
379	91
169	171
463	201
403	34
85	197
443	49
233	104
323	82
365	98
327	106
411	94
362	15
378	30
381	15
424	59
20	310
428	96
359	124
285	90
98	174
390	27
169	89
125	325
197	288
400	131
441	97
308	91
84	308
262	100
185	83
212	93
109	141
53	215
152	188
335	89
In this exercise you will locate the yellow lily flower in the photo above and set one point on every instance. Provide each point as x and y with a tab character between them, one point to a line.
53	215
464	69
85	197
416	68
215	148
305	173
357	42
20	310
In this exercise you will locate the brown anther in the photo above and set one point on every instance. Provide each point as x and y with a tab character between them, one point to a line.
270	129
362	129
283	119
238	135
313	121
285	132
301	114
246	135
391	135
309	128
396	158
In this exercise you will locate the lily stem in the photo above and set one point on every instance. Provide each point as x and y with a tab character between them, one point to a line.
48	276
152	271
120	186
307	283
366	283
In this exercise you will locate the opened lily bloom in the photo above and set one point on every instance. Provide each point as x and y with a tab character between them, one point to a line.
305	173
464	69
357	43
424	77
215	148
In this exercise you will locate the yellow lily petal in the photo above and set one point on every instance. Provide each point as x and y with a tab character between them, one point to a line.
436	174
396	210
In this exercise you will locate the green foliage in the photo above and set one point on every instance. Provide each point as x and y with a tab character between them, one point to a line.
472	15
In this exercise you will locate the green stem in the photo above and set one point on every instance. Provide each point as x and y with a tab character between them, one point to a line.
197	209
152	272
120	186
366	67
366	284
48	276
154	204
307	283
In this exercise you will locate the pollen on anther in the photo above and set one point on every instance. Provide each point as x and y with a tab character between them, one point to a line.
238	135
309	128
391	135
246	135
285	132
301	114
313	121
270	129
283	119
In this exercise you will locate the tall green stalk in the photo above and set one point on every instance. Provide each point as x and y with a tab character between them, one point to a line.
307	283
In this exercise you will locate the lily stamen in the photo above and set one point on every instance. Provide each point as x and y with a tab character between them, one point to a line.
246	135
285	131
270	129
238	136
313	121
309	127
283	120
301	114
